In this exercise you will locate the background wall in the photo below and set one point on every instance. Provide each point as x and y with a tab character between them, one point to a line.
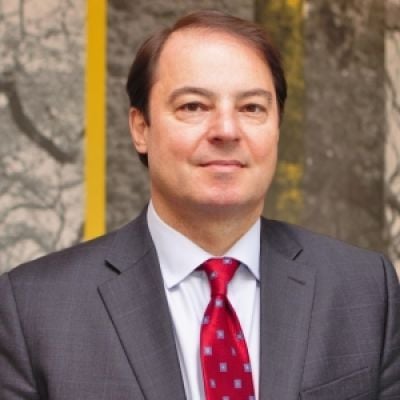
392	144
339	171
41	127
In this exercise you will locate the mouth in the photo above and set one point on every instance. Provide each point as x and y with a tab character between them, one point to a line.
223	163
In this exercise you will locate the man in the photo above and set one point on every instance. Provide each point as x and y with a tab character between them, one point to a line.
137	314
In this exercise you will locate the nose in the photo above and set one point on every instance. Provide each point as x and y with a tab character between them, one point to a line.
224	127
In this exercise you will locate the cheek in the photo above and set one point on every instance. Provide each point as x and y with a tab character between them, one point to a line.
167	149
265	149
174	140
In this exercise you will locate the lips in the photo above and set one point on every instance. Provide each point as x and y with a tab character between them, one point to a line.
223	163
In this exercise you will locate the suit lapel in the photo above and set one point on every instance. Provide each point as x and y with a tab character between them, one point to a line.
136	302
287	289
137	305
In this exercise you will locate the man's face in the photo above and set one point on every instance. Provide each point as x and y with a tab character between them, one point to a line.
213	133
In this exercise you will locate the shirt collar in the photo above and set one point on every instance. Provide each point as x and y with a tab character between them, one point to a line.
179	256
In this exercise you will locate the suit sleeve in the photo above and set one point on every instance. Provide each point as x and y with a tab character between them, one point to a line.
390	364
16	377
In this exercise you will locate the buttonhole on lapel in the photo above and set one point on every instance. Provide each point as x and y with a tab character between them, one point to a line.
297	280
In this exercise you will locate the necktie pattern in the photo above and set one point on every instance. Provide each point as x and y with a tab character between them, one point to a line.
223	350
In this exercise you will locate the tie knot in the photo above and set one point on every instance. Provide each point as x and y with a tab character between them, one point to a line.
219	272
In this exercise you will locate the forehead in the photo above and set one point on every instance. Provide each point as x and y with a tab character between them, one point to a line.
205	53
203	35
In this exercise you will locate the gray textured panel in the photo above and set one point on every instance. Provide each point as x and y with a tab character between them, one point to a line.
392	82
345	119
41	127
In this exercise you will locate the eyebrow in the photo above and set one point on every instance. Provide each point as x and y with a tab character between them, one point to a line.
257	92
209	94
189	90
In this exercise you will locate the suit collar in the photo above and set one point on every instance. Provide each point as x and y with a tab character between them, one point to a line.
136	303
131	243
287	291
277	236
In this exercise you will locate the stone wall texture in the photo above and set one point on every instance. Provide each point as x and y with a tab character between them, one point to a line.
284	21
41	127
340	150
345	120
392	165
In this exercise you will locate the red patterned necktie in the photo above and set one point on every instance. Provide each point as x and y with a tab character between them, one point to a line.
224	356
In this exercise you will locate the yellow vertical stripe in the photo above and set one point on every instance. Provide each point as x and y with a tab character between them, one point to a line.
95	114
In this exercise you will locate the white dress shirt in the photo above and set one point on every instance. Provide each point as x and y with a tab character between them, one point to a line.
188	294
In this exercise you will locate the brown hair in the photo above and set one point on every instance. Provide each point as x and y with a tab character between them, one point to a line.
142	72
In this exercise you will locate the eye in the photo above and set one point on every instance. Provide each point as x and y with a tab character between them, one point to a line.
192	107
192	111
253	108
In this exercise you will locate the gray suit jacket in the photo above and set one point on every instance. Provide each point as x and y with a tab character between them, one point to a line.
92	322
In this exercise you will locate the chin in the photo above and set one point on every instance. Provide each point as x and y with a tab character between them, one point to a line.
224	204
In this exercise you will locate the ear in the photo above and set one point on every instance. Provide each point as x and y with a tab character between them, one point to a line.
139	130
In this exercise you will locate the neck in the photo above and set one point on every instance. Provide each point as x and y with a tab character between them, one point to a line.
216	231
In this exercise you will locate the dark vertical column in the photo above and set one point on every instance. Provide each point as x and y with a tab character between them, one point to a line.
345	119
129	23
